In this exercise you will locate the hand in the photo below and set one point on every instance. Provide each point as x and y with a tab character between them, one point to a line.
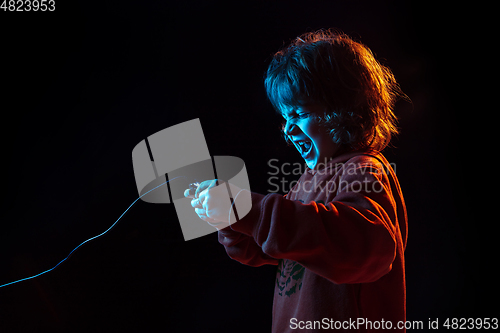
212	203
190	192
194	193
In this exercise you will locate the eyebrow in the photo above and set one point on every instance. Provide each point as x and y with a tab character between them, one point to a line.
291	111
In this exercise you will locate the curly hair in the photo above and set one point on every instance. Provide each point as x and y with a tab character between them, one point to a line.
329	68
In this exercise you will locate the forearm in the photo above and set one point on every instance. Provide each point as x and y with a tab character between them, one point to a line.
343	243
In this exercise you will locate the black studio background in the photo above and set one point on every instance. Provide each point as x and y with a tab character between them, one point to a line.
83	85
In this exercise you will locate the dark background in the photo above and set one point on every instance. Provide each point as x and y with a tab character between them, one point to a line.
83	85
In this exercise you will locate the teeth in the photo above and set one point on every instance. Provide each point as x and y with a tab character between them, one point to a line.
304	146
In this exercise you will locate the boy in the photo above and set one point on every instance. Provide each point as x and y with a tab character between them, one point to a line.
338	237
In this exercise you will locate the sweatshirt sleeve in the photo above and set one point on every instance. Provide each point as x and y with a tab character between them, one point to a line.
244	249
349	239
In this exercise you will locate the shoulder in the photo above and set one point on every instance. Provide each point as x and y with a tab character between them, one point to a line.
367	156
366	166
371	161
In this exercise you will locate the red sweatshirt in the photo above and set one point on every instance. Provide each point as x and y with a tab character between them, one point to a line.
338	239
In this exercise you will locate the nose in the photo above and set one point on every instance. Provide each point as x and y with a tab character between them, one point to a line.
290	128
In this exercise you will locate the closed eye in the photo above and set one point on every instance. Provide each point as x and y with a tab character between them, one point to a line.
297	115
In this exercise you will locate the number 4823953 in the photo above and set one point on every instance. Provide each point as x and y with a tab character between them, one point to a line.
28	5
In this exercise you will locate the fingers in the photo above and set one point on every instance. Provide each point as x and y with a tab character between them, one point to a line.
200	202
195	203
194	192
201	209
203	215
203	185
188	193
206	185
212	222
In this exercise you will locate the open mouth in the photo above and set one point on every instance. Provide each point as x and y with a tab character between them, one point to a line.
304	147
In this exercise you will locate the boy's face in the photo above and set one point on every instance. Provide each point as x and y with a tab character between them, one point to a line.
311	140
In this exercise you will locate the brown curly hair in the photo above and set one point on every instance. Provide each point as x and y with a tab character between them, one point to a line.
329	68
